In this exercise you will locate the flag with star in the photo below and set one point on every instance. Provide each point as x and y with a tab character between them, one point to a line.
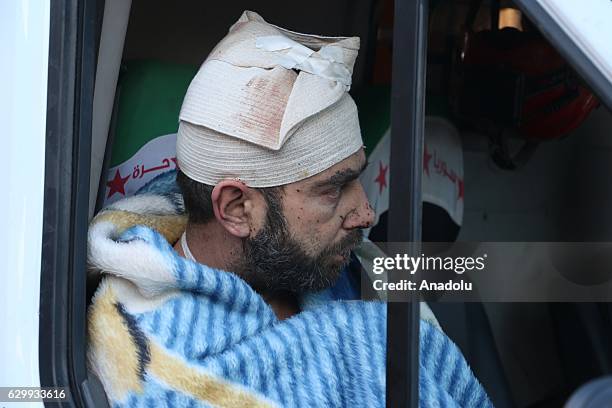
144	145
375	178
442	159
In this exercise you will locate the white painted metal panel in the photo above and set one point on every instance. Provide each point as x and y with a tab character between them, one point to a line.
112	38
24	49
589	24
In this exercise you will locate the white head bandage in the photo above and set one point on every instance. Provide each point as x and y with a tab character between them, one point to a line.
269	107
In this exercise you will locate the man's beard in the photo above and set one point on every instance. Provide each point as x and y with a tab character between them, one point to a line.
274	261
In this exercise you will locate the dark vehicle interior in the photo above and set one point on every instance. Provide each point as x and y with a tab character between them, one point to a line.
535	157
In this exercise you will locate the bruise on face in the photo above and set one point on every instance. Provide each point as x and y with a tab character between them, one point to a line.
316	208
338	179
326	189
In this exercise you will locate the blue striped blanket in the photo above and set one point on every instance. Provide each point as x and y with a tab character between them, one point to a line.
168	332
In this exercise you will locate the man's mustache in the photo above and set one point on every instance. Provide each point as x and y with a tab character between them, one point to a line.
348	243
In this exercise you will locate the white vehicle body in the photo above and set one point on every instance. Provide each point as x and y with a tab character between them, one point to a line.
24	46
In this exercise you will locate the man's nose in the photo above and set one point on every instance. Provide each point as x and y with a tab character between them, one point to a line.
362	214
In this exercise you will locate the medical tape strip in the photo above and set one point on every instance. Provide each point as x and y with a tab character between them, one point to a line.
325	63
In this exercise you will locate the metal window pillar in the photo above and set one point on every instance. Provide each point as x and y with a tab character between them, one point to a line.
62	323
405	202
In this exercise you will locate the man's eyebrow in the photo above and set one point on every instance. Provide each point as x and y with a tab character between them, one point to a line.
342	177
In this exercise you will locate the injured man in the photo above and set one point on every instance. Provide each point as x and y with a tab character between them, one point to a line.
234	293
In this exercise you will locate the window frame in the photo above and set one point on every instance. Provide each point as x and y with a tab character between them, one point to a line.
405	199
62	322
72	62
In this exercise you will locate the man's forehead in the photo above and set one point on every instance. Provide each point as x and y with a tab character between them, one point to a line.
355	162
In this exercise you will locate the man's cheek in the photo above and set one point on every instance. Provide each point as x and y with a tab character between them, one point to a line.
318	218
319	237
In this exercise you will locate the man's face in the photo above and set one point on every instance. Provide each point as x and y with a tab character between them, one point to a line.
309	231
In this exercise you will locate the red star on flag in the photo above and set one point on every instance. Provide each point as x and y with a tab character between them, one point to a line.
381	179
117	184
426	158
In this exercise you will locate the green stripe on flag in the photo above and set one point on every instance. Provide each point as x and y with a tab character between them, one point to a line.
150	97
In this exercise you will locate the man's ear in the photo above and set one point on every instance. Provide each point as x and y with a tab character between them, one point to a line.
232	207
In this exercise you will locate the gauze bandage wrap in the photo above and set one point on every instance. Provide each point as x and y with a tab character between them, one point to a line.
269	107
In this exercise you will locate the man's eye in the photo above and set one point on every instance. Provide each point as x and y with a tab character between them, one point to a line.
333	192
